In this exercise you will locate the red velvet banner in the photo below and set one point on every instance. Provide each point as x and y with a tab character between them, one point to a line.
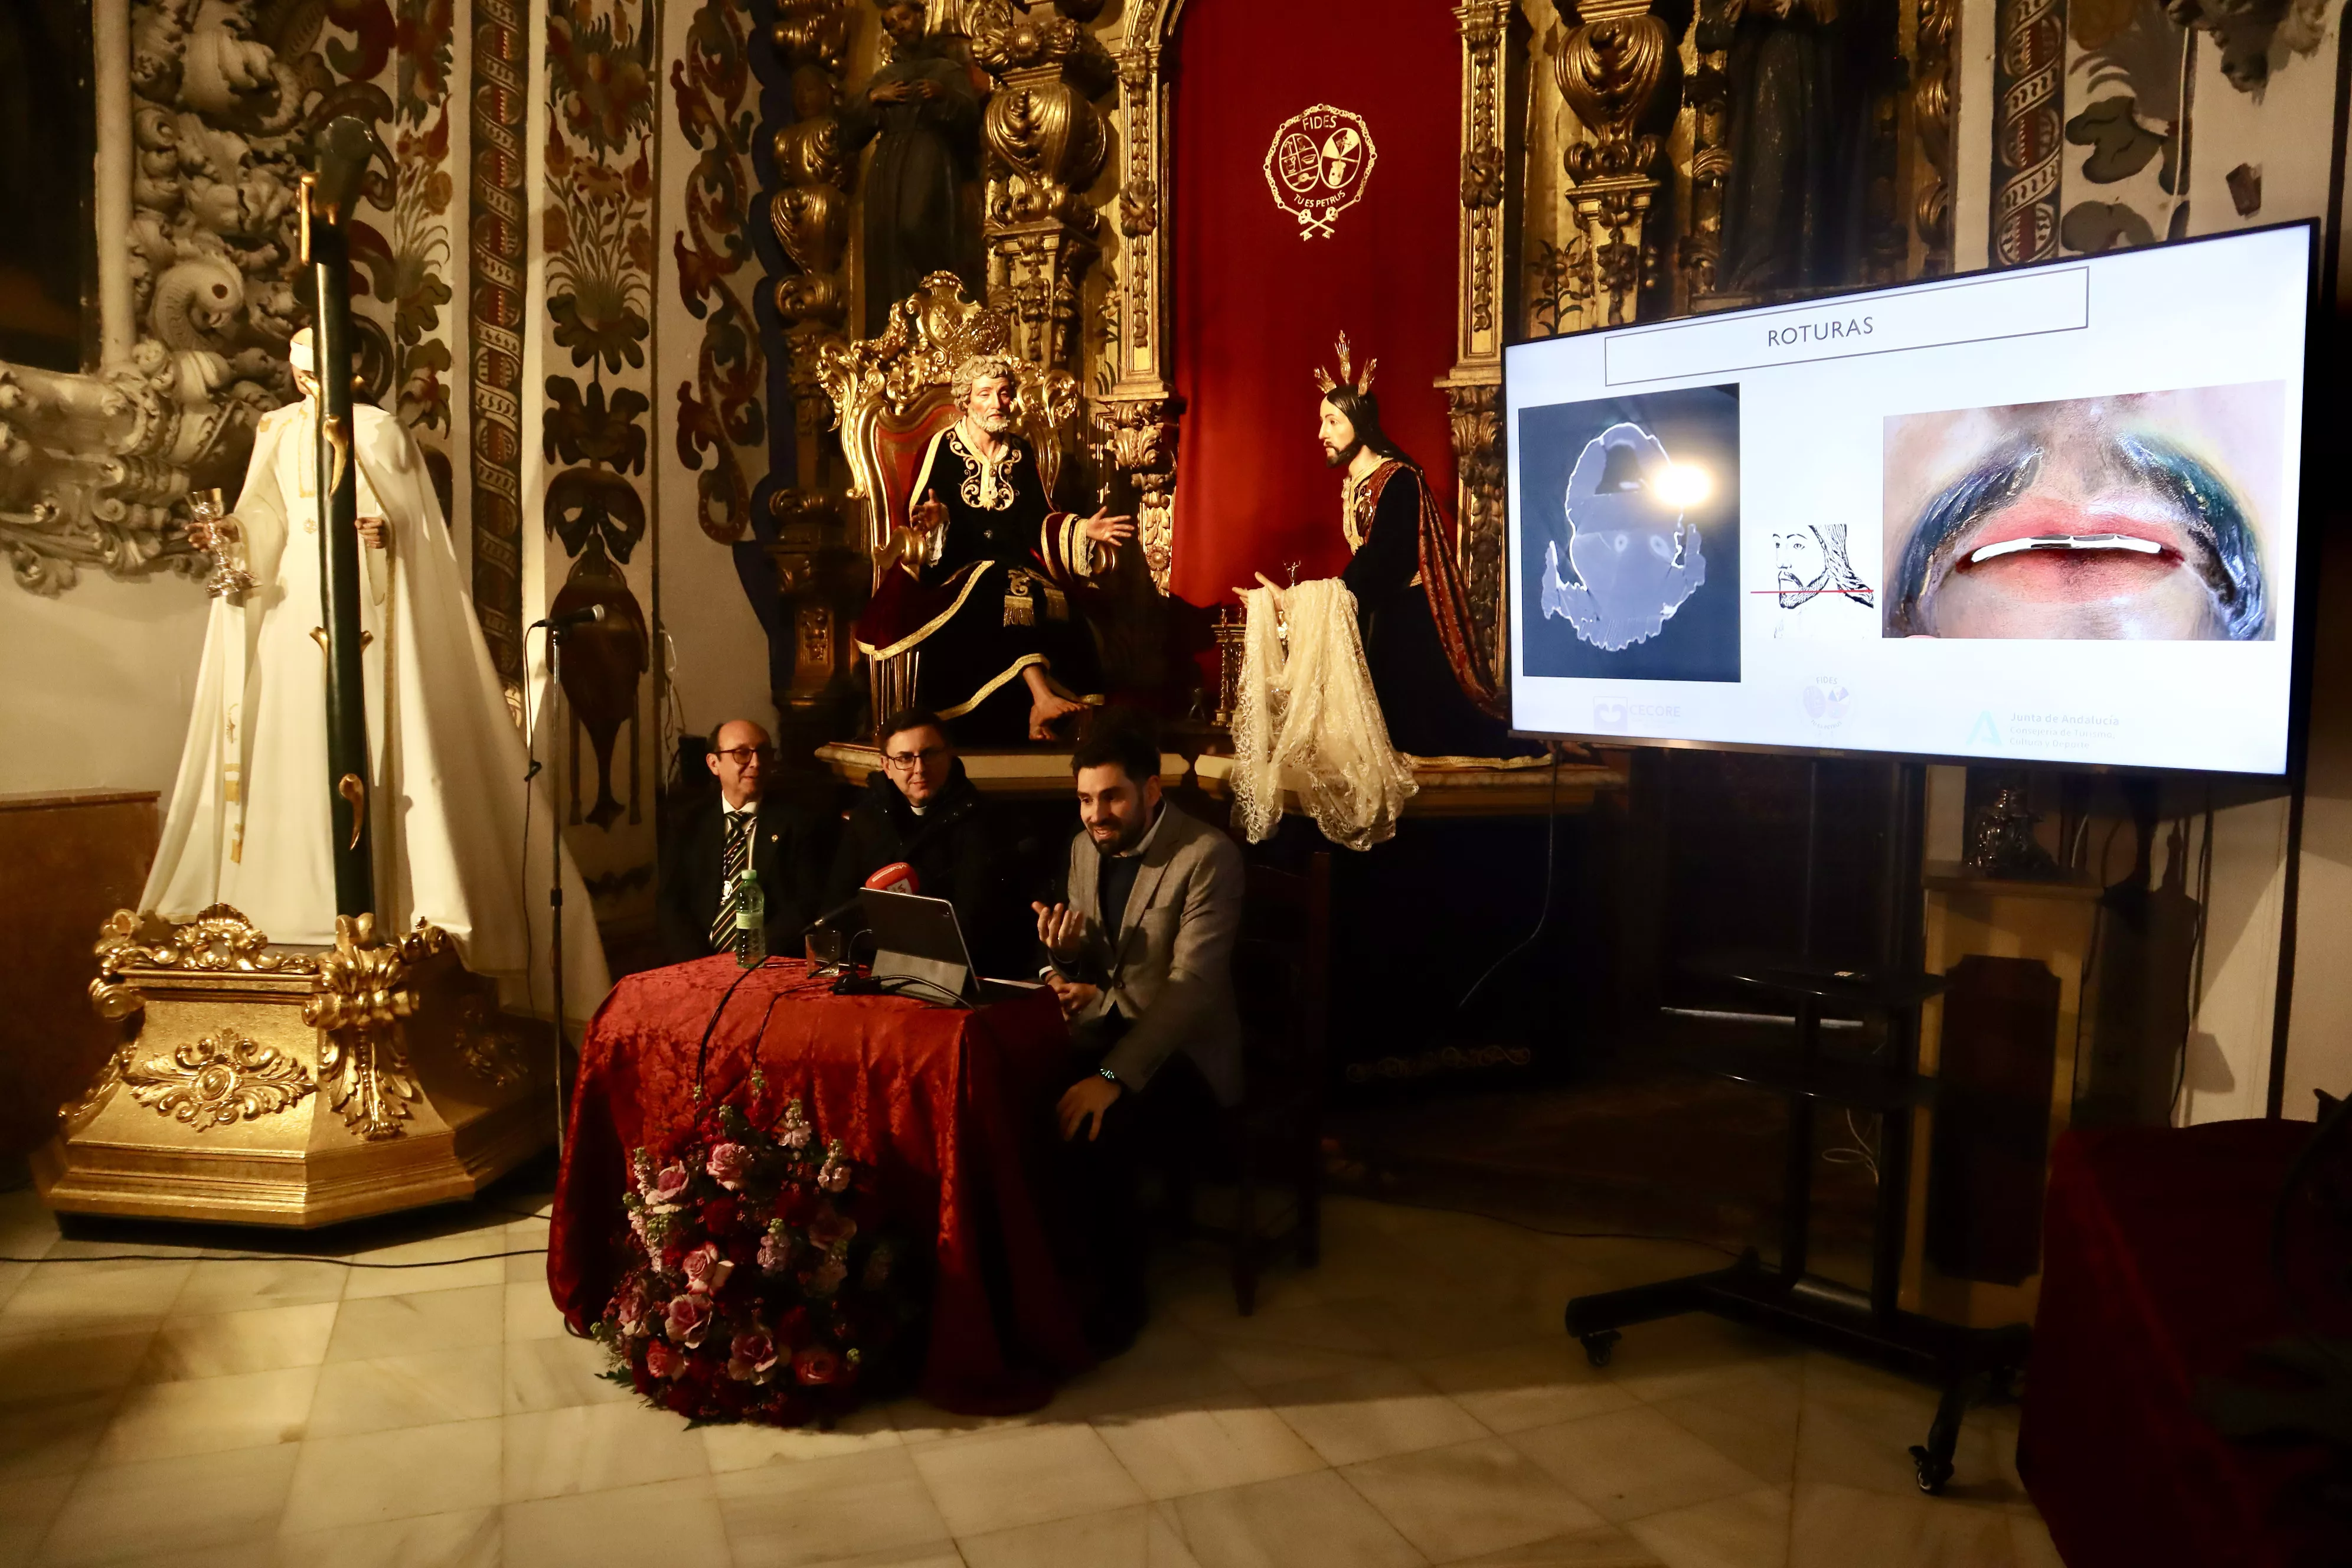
1258	297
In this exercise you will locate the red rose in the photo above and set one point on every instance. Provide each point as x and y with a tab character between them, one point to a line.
817	1366
669	1184
751	1354
686	1320
719	1215
662	1361
728	1165
705	1270
793	1328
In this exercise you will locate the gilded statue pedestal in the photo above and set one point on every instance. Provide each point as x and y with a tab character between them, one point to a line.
298	1087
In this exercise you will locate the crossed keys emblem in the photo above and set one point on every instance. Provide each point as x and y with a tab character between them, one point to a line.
1317	165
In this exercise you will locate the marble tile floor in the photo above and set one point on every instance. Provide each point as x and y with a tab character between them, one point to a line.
1411	1402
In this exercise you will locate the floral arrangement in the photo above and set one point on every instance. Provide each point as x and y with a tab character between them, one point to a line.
752	1294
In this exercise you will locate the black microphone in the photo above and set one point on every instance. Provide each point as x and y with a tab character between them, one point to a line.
569	618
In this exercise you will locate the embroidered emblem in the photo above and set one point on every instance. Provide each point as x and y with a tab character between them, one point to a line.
986	487
1317	164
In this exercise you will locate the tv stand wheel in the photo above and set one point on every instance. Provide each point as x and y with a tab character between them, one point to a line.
1933	1471
1601	1345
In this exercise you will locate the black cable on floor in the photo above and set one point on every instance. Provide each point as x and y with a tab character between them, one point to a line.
274	1257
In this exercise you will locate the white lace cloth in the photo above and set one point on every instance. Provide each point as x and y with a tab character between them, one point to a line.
1311	711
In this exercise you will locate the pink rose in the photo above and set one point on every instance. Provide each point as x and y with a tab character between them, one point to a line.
729	1164
632	1306
827	1276
662	1361
686	1320
776	1253
817	1366
751	1354
831	1228
669	1184
705	1270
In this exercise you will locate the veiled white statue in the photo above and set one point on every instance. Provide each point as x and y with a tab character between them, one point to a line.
254	815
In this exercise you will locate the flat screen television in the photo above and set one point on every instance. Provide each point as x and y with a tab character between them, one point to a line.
2044	515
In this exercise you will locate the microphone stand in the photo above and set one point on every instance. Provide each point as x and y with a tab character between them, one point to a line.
555	631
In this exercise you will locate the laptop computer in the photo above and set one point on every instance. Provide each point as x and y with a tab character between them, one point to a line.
920	940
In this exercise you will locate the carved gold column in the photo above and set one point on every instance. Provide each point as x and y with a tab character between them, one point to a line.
1931	119
1141	414
821	577
1708	93
808	209
1608	66
1473	388
1045	145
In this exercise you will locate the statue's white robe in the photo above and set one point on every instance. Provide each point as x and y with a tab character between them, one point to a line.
253	817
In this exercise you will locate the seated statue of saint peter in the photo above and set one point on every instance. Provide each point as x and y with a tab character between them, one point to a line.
982	588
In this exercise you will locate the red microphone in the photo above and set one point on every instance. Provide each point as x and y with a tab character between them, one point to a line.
897	877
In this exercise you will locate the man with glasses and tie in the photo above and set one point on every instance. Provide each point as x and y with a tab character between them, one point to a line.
922	808
743	828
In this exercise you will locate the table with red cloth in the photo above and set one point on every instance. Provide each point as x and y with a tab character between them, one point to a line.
2156	1275
947	1108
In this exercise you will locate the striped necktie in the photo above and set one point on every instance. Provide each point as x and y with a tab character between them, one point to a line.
730	871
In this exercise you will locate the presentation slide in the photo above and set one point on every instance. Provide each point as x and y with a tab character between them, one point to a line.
2046	515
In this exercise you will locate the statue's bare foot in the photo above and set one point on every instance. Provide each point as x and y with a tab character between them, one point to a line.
1047	710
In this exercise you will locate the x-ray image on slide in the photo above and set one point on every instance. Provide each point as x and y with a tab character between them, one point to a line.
1629	565
2140	517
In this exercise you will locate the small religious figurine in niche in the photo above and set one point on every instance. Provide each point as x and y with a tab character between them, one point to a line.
983	585
1801	73
254	822
922	113
1435	692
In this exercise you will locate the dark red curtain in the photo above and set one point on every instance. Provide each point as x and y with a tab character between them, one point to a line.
1256	306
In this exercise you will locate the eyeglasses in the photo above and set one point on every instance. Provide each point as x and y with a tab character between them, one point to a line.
744	756
906	761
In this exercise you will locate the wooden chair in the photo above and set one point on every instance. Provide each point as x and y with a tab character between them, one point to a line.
1282	976
891	396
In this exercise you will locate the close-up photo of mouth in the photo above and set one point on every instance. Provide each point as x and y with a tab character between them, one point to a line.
2078	530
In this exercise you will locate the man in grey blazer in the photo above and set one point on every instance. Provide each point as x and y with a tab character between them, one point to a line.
1141	956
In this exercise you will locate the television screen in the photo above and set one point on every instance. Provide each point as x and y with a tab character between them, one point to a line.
2044	515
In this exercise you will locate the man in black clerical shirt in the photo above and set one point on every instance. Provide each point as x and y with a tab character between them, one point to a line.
744	826
923	809
1141	957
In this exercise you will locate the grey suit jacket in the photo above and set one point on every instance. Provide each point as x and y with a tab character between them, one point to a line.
1169	965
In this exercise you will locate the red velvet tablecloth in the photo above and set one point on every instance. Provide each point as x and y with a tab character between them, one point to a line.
2156	1275
944	1107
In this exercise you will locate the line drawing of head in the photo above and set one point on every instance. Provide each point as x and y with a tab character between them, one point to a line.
2076	520
1633	560
1812	564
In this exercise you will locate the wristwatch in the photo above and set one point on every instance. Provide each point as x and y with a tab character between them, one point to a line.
1106	1072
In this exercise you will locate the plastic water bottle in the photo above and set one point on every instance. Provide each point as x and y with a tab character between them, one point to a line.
750	921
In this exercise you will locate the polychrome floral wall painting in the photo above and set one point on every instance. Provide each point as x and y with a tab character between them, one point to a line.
721	425
596	232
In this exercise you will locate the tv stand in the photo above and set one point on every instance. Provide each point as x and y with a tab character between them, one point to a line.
1868	1326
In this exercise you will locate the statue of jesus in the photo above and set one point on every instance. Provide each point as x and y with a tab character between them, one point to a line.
982	588
253	817
1435	694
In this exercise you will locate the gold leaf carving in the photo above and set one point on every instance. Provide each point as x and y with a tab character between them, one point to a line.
361	998
220	1078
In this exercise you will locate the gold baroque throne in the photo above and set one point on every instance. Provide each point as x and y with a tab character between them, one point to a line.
891	396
